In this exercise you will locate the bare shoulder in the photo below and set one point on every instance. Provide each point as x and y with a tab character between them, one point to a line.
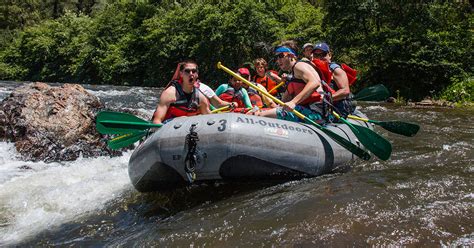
302	68
339	71
168	94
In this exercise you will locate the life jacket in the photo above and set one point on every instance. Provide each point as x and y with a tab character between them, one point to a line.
232	95
296	85
351	73
185	104
267	82
324	67
255	98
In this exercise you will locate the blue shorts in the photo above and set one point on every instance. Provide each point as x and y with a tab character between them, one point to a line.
289	116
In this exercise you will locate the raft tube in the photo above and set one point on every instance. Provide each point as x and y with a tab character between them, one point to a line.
236	147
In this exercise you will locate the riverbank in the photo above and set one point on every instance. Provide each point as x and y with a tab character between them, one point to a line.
428	103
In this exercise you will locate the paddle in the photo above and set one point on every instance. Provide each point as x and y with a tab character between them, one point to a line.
125	140
339	139
220	109
108	122
399	127
276	87
375	143
373	93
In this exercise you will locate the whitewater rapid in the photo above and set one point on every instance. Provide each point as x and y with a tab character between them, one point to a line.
35	196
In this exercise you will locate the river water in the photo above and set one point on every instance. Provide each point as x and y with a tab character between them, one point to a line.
422	196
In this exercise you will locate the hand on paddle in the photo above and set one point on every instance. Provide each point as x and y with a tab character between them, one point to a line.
289	106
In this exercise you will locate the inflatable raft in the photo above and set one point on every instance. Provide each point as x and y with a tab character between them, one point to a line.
230	147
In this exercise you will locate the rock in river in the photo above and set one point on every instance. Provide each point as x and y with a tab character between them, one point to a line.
52	123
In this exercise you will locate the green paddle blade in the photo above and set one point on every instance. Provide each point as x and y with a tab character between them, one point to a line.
375	143
399	127
108	122
373	93
346	144
125	140
341	141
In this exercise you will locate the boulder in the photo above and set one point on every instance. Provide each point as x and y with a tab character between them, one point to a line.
52	123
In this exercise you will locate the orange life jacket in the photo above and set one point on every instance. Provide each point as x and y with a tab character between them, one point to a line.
185	104
267	82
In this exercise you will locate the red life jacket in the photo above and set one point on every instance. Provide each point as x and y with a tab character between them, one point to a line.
267	82
351	73
231	95
185	104
323	66
296	85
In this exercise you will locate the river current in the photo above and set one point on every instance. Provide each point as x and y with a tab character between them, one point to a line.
422	196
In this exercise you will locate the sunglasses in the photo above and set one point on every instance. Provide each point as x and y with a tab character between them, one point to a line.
319	55
188	71
280	55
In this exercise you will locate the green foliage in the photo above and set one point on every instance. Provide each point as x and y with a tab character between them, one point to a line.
48	52
20	14
400	99
409	46
139	43
460	91
413	47
226	32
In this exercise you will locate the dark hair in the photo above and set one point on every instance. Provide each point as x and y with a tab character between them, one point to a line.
188	61
290	44
180	67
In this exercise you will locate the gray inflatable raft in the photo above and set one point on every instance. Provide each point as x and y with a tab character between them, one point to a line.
235	147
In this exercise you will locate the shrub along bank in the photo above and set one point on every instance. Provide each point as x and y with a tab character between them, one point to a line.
419	49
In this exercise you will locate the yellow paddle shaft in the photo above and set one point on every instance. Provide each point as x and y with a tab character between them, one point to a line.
276	87
357	118
351	117
220	66
220	109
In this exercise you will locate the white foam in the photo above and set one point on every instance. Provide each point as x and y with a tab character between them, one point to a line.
377	107
49	195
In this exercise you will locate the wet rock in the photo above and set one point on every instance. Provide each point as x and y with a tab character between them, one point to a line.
428	102
25	167
52	123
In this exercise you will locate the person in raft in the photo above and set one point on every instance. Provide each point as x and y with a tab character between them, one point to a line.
234	92
338	80
308	51
256	99
303	91
181	97
266	78
214	100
